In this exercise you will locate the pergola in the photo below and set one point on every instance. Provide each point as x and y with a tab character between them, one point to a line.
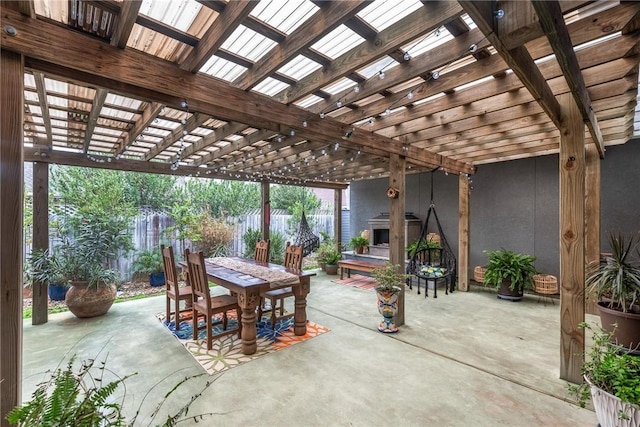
314	93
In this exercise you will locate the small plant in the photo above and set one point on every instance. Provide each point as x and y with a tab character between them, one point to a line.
424	244
388	277
509	265
332	256
148	261
214	236
617	279
45	267
358	242
609	369
81	397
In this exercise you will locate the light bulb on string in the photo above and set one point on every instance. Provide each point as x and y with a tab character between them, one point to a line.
499	13
339	104
387	111
437	32
305	124
321	115
473	48
406	56
184	104
381	75
356	89
435	75
410	95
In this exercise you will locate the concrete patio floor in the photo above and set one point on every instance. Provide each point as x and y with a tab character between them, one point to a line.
465	359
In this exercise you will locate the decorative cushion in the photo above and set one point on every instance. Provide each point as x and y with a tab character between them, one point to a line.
433	272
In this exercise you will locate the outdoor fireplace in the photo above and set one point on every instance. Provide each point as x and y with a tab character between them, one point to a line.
379	232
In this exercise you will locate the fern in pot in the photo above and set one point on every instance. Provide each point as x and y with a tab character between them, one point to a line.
510	273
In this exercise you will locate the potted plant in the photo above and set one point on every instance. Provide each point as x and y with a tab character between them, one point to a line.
331	257
390	282
84	262
149	262
612	380
616	283
358	243
45	267
326	247
510	273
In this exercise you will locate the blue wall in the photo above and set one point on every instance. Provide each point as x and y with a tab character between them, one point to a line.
514	205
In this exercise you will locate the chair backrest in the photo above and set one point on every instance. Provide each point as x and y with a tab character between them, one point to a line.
197	274
262	250
169	263
293	256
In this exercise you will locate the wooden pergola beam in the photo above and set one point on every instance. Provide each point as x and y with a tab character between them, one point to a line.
313	29
552	22
193	122
148	116
127	18
96	107
232	15
162	81
42	154
518	58
43	103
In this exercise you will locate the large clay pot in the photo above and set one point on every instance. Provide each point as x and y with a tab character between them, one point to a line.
609	407
505	292
90	301
388	307
627	333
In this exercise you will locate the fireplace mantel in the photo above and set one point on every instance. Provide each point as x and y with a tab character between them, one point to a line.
379	232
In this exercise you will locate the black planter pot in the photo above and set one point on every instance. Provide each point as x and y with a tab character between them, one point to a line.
505	292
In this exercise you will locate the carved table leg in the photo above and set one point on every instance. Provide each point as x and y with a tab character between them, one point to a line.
248	303
300	319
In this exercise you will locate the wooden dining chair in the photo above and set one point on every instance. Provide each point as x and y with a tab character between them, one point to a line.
173	289
276	297
262	250
206	305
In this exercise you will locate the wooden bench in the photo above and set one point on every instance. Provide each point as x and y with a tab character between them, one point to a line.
357	265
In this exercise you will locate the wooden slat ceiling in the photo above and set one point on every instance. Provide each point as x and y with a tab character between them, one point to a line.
318	92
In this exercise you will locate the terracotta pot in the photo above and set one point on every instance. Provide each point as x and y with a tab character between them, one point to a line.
608	407
505	292
331	269
627	334
360	250
90	301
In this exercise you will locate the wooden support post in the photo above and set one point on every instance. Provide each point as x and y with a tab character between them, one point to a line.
265	212
11	195
396	225
40	237
337	215
592	216
463	232
572	221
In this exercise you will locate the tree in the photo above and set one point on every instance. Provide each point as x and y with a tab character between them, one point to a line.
154	191
295	200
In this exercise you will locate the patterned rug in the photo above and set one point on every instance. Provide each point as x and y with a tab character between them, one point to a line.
226	351
359	281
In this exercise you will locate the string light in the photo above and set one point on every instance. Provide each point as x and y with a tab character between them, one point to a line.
406	56
473	48
305	124
321	115
499	13
435	75
339	104
381	75
410	95
356	89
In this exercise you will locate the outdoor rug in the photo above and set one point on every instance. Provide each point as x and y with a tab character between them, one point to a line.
226	352
359	281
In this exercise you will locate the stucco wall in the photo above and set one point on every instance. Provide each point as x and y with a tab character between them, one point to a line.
514	205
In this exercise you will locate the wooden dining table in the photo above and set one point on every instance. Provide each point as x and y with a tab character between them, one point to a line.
248	289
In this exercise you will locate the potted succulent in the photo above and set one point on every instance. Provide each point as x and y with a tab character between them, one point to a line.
616	283
331	257
612	380
510	273
45	267
358	243
390	282
149	262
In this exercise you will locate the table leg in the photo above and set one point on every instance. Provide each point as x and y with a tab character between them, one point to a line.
248	304
300	319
